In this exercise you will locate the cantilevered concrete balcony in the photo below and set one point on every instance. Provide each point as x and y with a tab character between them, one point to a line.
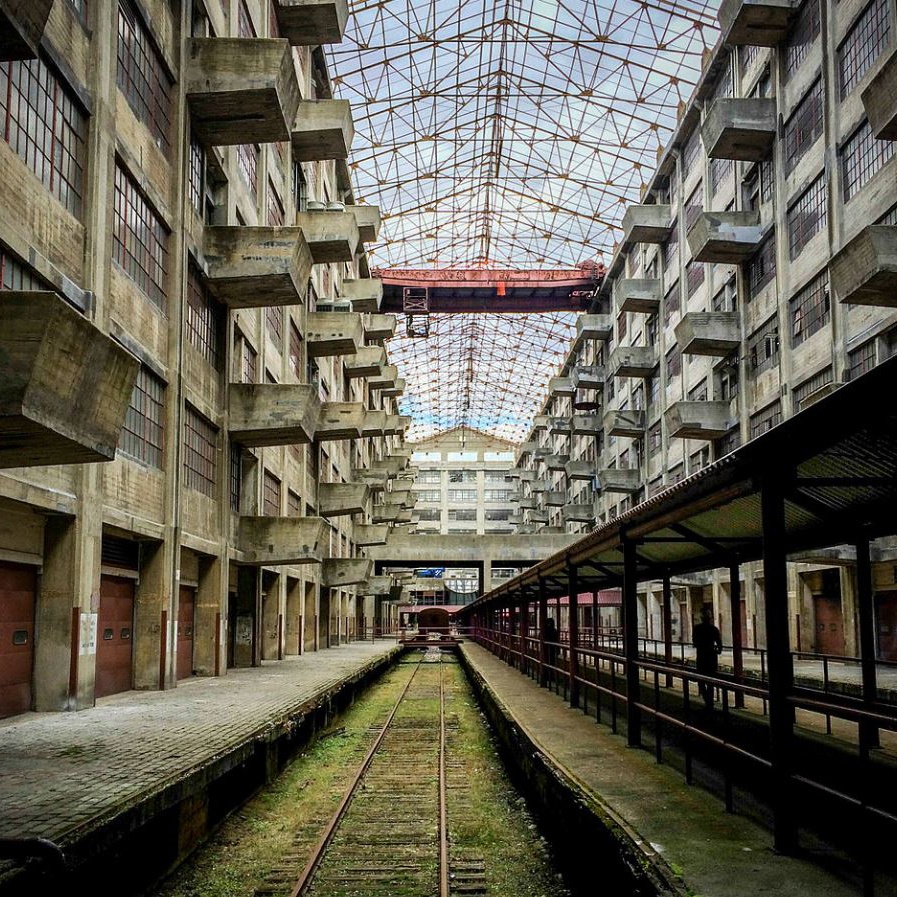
594	327
368	220
254	267
396	389
728	238
331	236
240	90
308	23
342	499
516	518
378	586
740	128
556	462
647	224
65	386
715	333
528	503
388	512
633	361
560	387
339	420
540	422
588	376
388	375
262	414
333	333
579	470
406	516
560	426
527	448
864	272
365	534
880	99
640	295
586	424
322	130
339	572
538	486
755	23
538	516
578	513
365	294
379	327
22	24
368	361
528	476
374	479
373	423
555	499
625	480
281	540
586	400
630	422
395	424
698	420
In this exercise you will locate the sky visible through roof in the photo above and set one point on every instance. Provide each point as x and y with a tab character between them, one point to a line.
506	135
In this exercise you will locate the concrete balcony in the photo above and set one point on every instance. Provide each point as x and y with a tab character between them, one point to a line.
715	333
332	237
586	400
555	499
22	27
516	518
594	327
740	128
540	422
578	513
365	294
625	481
880	100
638	295
322	130
728	238
527	448
647	224
268	541
586	424
387	379
339	572
629	423
308	23
375	480
556	462
406	516
367	534
864	272
397	388
528	476
560	426
262	414
755	23
538	516
65	386
330	333
538	486
386	513
588	376
560	387
368	361
342	499
580	470
698	420
254	267
395	424
633	361
378	586
373	424
527	503
379	327
339	420
240	90
368	220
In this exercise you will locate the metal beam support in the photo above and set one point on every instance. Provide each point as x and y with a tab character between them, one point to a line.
543	618
866	608
668	625
630	643
735	614
573	608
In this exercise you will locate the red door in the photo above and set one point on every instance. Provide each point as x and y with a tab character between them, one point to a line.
886	625
186	608
18	587
829	625
114	636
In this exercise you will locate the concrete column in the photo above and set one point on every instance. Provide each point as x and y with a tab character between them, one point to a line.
154	616
292	625
273	601
209	648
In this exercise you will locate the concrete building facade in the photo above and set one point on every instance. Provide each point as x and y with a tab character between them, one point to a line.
183	260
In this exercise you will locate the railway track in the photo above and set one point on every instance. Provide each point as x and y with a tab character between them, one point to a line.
390	832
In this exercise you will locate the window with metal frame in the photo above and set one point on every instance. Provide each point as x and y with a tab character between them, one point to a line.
300	187
801	36
811	385
861	360
142	76
271	495
720	170
274	324
694	205
747	56
245	27
761	269
462	514
862	156
726	382
810	309
294	504
462	495
143	430
694	277
864	42
236	476
621	326
428	476
691	152
767	180
429	495
250	363
462	476
804	127
671	303
276	214
15	275
671	247
295	350
205	319
673	364
698	393
495	495
196	167
763	346
655	438
766	419
807	216
248	165
46	127
727	444
200	453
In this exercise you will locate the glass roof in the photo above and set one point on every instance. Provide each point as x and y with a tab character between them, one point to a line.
506	135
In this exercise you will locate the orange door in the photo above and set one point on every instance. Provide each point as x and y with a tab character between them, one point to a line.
114	636
18	587
186	608
829	625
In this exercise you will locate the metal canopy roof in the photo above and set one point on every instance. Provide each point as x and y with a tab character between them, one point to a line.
836	460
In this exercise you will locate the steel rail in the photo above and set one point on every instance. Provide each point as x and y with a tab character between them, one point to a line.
444	884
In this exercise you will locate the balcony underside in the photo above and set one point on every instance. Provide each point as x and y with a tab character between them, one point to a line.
261	414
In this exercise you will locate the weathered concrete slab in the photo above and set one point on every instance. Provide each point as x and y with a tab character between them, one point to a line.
309	23
619	480
638	294
281	540
365	293
332	236
632	361
646	224
338	572
342	499
864	272
715	333
322	130
262	414
22	24
740	128
755	23
699	420
629	422
728	238
329	333
339	420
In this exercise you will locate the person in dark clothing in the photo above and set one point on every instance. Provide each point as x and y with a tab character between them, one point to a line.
708	646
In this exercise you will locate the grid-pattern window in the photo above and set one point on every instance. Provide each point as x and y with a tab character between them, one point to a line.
294	504
497	514
808	387
245	28
462	476
250	363
804	127
673	363
236	476
861	360
295	350
205	319
45	127
429	495
274	324
763	346
748	56
727	382
248	165
767	180
861	157
806	216
142	433
429	514
621	325
300	188
766	419
270	495
196	166
865	40
691	152
801	36
720	170
140	239
142	77
493	495
429	476
728	443
655	438
15	276
466	495
670	304
694	205
725	298
462	514
694	277
761	269
810	309
723	86
200	453
698	393
276	214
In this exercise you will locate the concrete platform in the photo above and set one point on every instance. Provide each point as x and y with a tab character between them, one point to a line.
682	833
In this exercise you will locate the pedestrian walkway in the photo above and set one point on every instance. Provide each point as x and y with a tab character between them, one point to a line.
62	775
684	829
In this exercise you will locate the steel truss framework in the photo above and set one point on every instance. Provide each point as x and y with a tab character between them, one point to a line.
508	135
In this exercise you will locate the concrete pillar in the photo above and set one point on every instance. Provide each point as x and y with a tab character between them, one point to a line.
154	617
292	625
273	601
209	648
